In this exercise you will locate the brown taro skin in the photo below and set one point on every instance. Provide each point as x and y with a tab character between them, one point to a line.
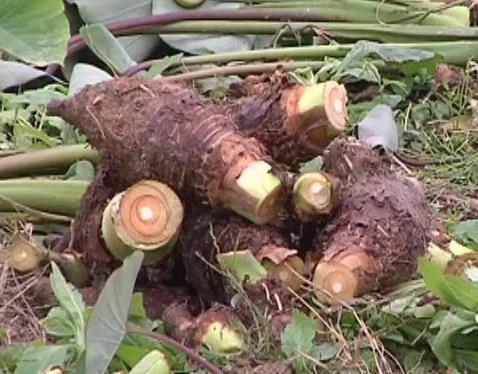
382	212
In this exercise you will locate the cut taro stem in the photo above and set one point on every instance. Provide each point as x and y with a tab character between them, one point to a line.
147	216
26	257
315	194
347	275
189	3
255	194
316	114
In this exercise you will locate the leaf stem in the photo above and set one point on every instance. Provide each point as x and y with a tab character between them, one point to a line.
131	329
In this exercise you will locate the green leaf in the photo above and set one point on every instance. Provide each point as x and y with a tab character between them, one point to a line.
107	325
440	344
299	337
454	290
242	265
58	323
84	74
107	48
324	351
14	74
364	48
467	231
36	359
108	11
137	314
467	360
201	43
131	354
34	31
81	170
70	299
158	68
11	355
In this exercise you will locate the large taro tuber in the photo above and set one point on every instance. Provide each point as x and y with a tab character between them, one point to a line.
380	229
167	132
206	235
295	122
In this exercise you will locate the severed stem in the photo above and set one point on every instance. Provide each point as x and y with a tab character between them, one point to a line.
147	216
255	194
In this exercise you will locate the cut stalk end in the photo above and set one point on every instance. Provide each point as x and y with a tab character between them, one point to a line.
257	194
313	195
219	337
147	216
23	257
317	113
344	277
189	3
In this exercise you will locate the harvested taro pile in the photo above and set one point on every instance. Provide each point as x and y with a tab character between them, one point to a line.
213	194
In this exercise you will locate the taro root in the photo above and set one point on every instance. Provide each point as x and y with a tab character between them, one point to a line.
381	227
295	122
206	235
166	132
147	217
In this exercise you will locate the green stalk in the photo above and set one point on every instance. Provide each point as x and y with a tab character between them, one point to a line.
341	30
45	161
52	196
458	53
453	52
378	12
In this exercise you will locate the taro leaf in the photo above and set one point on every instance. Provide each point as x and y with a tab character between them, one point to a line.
58	323
70	299
84	74
202	43
34	31
109	11
467	231
359	110
242	265
466	359
107	325
14	74
37	359
131	354
364	48
11	355
158	68
137	314
82	170
299	337
39	97
440	344
452	289
107	48
379	128
324	351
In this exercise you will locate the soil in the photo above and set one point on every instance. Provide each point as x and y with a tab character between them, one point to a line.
207	234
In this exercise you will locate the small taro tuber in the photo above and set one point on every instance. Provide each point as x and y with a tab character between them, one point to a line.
206	235
380	229
295	122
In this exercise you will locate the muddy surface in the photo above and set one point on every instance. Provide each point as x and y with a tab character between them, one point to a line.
381	212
